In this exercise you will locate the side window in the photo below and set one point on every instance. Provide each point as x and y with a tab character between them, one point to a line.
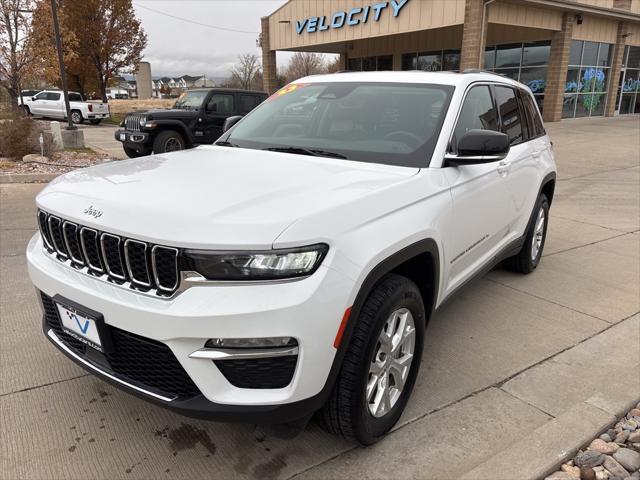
75	97
509	113
536	128
41	96
248	103
478	112
53	96
221	103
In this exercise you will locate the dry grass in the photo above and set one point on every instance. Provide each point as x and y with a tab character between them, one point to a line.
122	107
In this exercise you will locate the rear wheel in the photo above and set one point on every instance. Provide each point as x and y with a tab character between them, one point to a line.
27	110
381	363
76	116
133	153
168	141
529	257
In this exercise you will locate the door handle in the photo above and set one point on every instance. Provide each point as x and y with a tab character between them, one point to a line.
503	167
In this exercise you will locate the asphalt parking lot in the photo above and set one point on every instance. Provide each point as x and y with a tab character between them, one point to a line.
505	359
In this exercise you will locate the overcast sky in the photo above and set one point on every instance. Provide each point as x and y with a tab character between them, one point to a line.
177	47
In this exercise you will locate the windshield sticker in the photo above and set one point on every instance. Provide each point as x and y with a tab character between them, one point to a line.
288	89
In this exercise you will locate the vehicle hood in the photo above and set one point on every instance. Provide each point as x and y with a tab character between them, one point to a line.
172	114
212	196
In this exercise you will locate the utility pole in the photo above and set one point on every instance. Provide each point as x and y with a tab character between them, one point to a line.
63	77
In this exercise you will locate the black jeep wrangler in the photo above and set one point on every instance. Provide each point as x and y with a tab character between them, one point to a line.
197	117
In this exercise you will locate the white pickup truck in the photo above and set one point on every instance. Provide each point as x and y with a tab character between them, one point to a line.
50	103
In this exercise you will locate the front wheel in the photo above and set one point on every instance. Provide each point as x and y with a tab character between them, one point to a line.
381	363
168	141
133	153
529	257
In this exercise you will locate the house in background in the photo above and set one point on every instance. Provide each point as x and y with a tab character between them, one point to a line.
167	87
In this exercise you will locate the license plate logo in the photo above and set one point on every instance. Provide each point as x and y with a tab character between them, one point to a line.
123	136
80	327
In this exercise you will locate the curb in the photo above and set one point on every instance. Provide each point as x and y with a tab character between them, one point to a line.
543	451
6	178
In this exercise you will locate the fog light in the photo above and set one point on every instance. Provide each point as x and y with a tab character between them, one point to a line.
267	342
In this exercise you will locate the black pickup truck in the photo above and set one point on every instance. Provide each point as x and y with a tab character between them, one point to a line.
197	117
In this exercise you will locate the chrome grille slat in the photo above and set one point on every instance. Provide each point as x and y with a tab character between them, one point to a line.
134	269
132	122
129	263
73	243
114	268
55	229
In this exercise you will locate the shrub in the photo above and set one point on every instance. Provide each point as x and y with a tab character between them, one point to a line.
17	136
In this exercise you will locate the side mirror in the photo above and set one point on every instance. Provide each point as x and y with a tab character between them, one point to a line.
33	99
480	146
230	122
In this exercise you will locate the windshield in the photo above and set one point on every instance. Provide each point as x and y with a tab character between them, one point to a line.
190	100
391	123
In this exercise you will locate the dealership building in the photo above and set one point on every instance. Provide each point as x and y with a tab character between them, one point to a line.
580	58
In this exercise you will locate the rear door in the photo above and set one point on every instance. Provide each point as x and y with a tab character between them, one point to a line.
479	227
521	176
218	108
54	105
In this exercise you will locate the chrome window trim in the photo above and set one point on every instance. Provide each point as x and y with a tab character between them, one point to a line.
104	257
60	344
66	241
53	240
155	270
126	259
99	269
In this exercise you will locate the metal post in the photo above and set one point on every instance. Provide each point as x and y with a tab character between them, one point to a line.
63	77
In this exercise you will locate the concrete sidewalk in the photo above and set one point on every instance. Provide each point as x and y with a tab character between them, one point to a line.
100	138
517	370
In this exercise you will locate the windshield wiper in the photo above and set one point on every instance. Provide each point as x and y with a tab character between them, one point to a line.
314	152
226	143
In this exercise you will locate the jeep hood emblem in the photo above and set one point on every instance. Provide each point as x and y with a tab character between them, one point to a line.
93	212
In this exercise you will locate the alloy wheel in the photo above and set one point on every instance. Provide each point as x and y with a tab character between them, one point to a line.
391	362
172	144
538	235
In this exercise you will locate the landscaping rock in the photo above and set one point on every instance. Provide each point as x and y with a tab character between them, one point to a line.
629	459
614	467
622	437
634	437
571	470
601	446
587	473
559	476
590	458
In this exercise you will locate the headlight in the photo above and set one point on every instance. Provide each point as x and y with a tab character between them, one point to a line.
263	265
143	120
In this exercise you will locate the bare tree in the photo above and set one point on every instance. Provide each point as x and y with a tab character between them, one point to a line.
245	72
15	26
303	64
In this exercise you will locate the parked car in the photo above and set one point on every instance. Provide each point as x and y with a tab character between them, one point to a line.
293	266
50	103
196	118
117	93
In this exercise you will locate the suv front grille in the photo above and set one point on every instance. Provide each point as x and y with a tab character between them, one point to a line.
132	122
124	261
134	359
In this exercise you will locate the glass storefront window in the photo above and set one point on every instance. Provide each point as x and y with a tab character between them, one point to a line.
535	78
575	53
633	60
369	64
535	54
490	58
594	79
410	61
451	60
604	57
385	63
590	53
574	84
430	61
627	104
508	72
568	106
355	64
508	55
582	106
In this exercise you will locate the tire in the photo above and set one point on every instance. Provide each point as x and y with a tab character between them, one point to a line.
529	256
133	153
168	141
95	121
27	110
76	117
350	411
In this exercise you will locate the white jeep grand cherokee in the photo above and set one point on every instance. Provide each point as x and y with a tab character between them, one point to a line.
292	267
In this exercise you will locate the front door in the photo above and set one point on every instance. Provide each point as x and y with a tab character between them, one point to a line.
479	227
218	108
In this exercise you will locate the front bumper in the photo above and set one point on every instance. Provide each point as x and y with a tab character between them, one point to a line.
135	139
308	310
